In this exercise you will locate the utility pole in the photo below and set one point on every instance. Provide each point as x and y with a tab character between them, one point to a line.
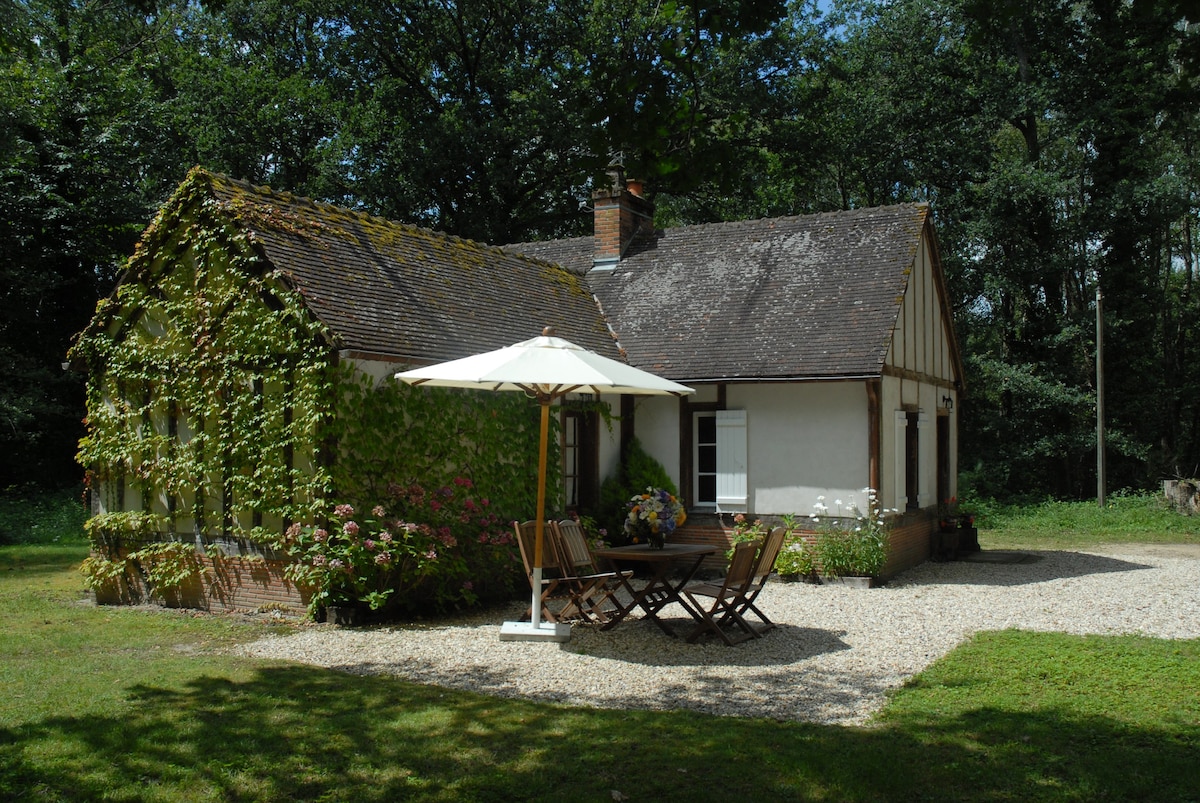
1099	394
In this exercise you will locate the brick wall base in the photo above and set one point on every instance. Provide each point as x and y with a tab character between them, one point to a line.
223	584
226	584
911	540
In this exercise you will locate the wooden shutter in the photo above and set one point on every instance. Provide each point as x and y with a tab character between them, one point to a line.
731	460
901	460
924	441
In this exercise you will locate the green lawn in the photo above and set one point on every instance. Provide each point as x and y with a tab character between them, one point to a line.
131	704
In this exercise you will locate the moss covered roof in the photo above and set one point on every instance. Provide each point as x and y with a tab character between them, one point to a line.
388	288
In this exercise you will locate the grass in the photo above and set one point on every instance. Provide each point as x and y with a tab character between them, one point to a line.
1075	525
136	704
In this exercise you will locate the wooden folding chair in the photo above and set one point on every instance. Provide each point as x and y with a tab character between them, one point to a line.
764	564
592	588
553	592
727	599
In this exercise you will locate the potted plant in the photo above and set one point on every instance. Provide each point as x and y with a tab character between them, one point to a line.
853	549
948	514
968	534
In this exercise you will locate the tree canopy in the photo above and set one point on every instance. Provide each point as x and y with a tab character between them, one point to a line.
1054	140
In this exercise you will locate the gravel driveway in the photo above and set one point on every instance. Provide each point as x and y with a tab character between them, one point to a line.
835	654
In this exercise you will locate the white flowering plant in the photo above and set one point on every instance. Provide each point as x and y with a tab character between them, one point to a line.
854	544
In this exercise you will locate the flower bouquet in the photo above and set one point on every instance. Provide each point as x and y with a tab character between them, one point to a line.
652	516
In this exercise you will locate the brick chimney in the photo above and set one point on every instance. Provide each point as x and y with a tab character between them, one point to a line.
620	214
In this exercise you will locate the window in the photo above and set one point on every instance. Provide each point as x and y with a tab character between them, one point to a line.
580	459
719	446
570	459
705	449
909	424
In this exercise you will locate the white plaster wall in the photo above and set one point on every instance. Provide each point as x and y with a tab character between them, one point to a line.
657	428
610	439
804	441
380	370
897	394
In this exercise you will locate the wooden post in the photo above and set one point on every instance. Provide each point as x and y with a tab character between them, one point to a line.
1099	395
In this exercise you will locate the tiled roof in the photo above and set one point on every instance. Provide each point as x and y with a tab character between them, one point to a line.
815	296
394	289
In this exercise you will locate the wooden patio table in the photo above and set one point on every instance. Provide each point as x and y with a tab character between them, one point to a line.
659	592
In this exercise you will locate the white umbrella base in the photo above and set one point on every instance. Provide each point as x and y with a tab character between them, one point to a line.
527	631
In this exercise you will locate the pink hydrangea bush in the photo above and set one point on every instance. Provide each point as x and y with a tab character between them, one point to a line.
421	550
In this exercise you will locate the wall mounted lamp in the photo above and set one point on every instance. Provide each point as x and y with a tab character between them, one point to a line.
948	403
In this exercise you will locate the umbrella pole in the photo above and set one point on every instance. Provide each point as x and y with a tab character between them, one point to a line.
536	630
539	527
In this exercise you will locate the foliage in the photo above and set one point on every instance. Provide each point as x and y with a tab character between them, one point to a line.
389	432
80	174
639	470
197	363
425	551
855	545
744	530
1046	185
1072	525
597	536
797	557
30	516
126	548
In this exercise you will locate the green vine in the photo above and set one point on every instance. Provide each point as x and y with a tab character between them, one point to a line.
217	406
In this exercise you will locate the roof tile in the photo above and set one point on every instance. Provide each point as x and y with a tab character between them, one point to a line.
795	297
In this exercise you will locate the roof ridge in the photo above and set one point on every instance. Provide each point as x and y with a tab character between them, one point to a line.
302	200
914	205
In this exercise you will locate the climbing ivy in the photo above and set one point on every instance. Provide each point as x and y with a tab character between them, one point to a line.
208	400
218	408
388	432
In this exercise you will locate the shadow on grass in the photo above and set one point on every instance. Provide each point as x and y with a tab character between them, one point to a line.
41	559
305	734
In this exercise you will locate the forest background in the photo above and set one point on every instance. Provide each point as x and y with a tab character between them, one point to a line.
1056	143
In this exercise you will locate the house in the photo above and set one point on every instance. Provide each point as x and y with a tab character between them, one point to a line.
821	349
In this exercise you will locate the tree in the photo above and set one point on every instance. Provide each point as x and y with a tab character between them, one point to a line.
80	162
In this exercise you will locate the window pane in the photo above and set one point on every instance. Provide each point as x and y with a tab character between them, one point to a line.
706	489
707	459
706	429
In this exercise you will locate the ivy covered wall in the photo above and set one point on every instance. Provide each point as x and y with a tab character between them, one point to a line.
210	386
219	410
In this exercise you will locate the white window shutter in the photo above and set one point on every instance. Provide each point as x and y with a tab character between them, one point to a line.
731	459
924	439
901	460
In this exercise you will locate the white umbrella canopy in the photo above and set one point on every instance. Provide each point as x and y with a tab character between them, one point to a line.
545	368
543	365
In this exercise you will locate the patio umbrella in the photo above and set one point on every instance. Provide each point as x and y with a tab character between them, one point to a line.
544	368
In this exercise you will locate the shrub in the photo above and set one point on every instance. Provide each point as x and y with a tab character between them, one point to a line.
639	471
425	550
31	516
797	558
744	530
